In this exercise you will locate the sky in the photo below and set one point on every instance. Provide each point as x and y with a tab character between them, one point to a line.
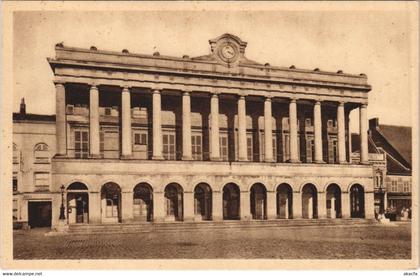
376	43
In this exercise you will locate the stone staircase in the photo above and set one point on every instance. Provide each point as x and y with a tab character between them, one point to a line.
208	225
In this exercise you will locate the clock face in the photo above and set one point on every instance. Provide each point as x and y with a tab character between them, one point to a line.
228	52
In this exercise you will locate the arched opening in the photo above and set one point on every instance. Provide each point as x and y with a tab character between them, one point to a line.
284	201
357	201
258	201
111	202
231	202
174	202
143	202
203	202
77	203
309	201
333	201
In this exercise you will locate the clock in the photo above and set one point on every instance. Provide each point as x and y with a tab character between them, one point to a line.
228	52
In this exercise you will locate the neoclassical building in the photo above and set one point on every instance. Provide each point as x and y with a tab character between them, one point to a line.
217	137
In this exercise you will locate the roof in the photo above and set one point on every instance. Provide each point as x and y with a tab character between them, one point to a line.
400	138
33	117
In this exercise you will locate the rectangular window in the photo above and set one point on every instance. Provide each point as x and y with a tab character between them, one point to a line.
42	182
393	186
196	144
310	149
102	143
169	146
406	187
308	122
249	148
286	147
15	210
15	185
81	143
223	144
262	147
140	138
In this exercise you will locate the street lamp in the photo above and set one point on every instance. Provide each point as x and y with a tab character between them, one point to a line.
62	216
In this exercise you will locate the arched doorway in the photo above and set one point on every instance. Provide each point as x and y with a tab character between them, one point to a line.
77	203
143	202
111	202
333	201
258	201
203	202
309	201
231	202
174	202
284	201
357	201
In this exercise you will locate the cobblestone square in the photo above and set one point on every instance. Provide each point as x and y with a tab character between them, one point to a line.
311	242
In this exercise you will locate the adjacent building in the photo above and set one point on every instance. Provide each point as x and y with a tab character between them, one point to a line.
154	138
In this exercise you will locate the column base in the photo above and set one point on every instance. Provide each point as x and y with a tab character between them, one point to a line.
343	162
157	158
215	159
187	158
242	159
295	161
94	156
320	162
269	160
364	163
125	157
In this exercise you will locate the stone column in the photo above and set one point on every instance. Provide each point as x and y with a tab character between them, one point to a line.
94	122
341	134
186	126
345	204
271	205
126	123
369	205
157	126
349	134
294	158
214	125
245	205
60	111
217	207
127	206
333	211
297	205
322	205
95	207
364	156
158	206
268	132
188	206
242	129
318	133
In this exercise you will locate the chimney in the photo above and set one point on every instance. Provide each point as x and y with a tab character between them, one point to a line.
22	107
373	123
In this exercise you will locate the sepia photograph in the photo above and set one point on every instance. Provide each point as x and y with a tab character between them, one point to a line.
223	134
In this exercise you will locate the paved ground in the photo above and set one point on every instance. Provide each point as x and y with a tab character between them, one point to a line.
311	242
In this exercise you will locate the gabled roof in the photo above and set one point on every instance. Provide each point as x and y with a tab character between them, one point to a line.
400	138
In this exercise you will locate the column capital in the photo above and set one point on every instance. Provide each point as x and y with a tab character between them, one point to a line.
186	93
341	103
156	91
126	87
93	87
59	83
268	98
317	102
293	100
364	105
215	94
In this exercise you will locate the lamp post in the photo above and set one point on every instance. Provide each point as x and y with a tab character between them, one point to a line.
62	216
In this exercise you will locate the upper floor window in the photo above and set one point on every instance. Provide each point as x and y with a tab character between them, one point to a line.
310	149
249	147
196	143
169	152
41	153
262	146
223	144
331	123
15	210
378	180
140	138
308	122
406	187
42	181
81	144
15	184
393	186
15	154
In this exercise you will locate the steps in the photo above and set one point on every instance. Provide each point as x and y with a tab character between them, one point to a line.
208	225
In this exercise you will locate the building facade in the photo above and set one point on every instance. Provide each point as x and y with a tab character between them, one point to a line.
218	137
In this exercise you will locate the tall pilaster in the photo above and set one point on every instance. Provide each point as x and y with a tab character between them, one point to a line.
318	132
245	203
214	134
242	129
186	126
217	205
60	111
271	205
364	156
297	205
94	121
126	123
345	204
268	132
341	134
294	158
157	126
322	205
